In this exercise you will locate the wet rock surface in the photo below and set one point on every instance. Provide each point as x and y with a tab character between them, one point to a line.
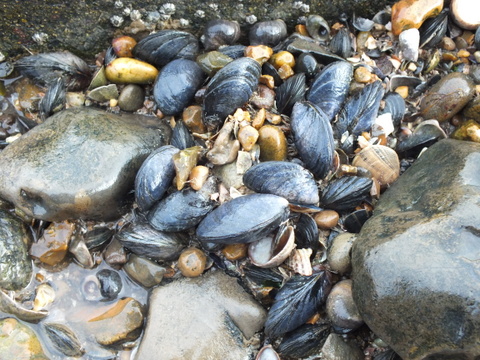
15	265
80	163
86	27
18	341
222	313
427	225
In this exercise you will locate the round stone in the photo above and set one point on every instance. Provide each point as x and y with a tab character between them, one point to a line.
192	262
273	144
131	98
338	253
341	308
327	219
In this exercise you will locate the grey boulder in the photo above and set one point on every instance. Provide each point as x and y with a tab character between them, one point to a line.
416	262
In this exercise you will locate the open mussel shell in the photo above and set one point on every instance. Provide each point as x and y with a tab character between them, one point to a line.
425	134
345	193
271	251
64	340
297	301
180	211
268	33
313	137
304	341
144	240
330	88
362	24
155	176
244	219
267	353
219	32
48	67
166	45
176	85
229	89
433	30
292	90
298	44
317	27
360	111
341	43
286	179
395	105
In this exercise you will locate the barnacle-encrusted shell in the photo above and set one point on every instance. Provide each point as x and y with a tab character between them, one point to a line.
381	161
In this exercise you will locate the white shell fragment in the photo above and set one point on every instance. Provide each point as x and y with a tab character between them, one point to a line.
409	41
272	251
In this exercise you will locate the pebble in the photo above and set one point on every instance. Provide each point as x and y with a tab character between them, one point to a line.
143	271
407	14
235	252
466	13
341	308
470	130
362	75
409	41
110	283
447	97
335	348
44	296
99	79
408	228
282	58
338	253
130	71
213	61
403	91
123	46
285	71
115	254
131	98
184	161
326	219
261	53
192	262
225	148
273	143
247	135
15	264
448	44
198	176
195	315
51	248
192	118
18	341
75	99
263	98
119	324
259	119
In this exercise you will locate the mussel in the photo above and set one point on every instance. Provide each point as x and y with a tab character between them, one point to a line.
154	177
219	32
143	240
181	136
341	43
286	179
230	88
313	137
166	45
291	91
345	193
306	234
304	341
180	211
46	68
54	99
268	33
64	340
395	105
329	89
360	111
244	219
176	85
433	30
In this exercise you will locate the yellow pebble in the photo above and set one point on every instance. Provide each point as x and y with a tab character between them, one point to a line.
130	71
198	177
362	75
285	71
261	53
282	58
247	135
403	91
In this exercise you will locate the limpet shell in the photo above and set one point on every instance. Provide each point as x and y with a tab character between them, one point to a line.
381	161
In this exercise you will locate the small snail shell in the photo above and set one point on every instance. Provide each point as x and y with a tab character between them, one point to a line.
381	161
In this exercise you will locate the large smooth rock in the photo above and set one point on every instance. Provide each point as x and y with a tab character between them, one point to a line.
80	163
85	27
416	268
18	341
200	318
15	264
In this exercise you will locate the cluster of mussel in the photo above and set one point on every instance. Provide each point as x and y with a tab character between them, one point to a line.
311	144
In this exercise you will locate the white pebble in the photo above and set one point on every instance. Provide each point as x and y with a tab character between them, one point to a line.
409	41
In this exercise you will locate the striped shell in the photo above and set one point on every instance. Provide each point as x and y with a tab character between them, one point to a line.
381	161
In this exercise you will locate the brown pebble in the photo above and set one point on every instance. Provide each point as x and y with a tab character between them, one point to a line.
463	54
282	58
123	46
198	176
192	262
326	219
407	14
301	29
273	143
267	80
461	43
448	56
235	252
285	71
192	118
51	248
362	75
448	44
247	135
259	119
261	53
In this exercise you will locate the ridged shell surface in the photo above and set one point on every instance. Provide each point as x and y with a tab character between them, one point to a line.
381	161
